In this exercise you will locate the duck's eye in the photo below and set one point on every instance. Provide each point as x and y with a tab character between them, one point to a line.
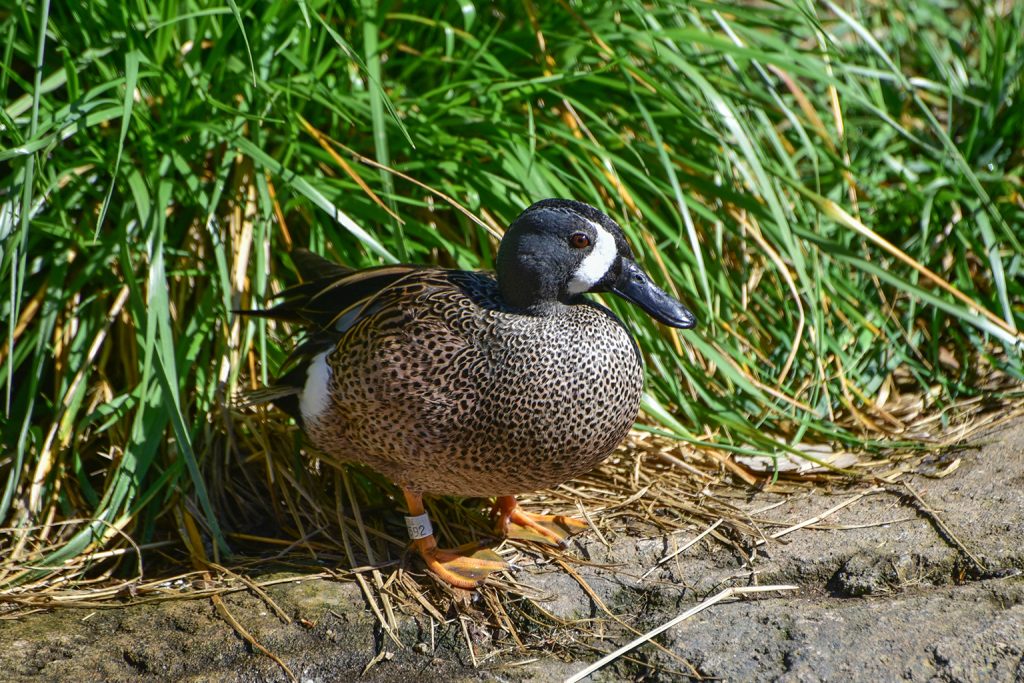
579	240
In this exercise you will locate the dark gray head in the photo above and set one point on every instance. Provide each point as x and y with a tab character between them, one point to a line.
559	249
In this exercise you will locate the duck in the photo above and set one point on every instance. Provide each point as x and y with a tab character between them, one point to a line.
474	384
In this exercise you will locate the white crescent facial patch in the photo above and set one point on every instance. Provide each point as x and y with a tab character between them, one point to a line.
597	263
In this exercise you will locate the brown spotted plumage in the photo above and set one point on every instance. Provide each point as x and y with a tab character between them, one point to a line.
458	383
444	390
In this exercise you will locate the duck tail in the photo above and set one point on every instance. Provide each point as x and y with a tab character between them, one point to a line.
284	393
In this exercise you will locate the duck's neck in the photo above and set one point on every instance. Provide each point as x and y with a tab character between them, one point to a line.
535	300
546	309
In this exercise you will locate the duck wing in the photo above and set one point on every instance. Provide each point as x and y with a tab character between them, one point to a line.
329	301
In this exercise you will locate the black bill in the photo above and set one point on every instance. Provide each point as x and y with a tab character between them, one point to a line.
636	286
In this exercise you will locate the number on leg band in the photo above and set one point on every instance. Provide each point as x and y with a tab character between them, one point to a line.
419	526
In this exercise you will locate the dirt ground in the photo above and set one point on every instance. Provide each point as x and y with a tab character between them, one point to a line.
922	580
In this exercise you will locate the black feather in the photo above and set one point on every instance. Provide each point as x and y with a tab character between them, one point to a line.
315	267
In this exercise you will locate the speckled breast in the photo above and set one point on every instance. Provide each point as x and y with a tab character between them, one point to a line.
443	390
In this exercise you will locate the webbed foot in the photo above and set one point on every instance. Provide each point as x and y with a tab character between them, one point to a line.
515	522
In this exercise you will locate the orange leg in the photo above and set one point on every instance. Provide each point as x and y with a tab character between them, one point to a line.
463	567
515	522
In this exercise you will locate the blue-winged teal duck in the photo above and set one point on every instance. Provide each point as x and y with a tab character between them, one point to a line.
459	383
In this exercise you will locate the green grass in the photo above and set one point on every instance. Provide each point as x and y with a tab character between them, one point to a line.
834	190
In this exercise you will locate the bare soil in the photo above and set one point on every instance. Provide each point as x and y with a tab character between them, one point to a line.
921	580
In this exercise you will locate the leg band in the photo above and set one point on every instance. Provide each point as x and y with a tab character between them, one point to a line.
419	526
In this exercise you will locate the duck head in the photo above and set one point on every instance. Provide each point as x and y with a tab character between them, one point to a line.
558	249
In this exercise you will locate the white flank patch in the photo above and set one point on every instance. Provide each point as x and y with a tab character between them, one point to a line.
595	266
313	400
